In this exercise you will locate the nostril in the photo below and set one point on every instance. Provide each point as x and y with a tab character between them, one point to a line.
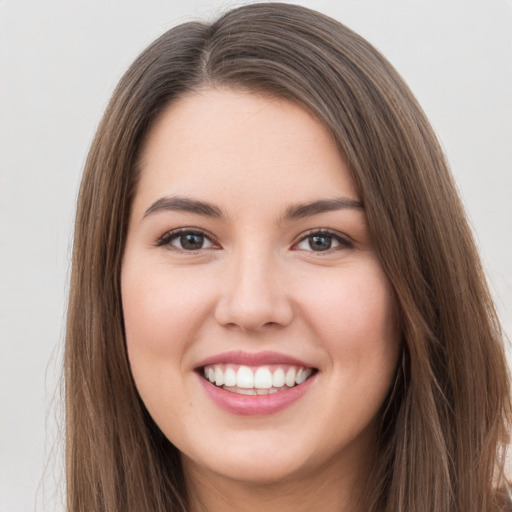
254	316
252	298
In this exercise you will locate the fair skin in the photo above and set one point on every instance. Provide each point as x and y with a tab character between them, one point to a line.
274	271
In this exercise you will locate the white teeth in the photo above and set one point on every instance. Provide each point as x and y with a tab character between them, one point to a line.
263	378
257	380
254	391
219	376
290	377
230	377
245	377
302	375
278	378
243	391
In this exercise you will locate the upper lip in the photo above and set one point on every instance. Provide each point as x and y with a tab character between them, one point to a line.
252	359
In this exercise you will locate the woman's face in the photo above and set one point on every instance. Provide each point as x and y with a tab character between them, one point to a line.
260	326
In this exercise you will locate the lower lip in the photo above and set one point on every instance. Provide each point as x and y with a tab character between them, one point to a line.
254	405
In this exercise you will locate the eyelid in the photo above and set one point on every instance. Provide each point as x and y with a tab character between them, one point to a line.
168	236
344	241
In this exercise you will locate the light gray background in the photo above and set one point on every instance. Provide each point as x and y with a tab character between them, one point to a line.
59	62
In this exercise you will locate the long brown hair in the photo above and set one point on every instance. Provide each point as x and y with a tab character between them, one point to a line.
445	425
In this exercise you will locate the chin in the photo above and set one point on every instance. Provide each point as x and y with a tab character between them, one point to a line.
253	466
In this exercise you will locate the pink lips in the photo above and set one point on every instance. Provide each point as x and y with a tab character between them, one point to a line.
252	359
253	405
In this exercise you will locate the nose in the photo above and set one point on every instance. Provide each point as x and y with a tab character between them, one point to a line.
254	296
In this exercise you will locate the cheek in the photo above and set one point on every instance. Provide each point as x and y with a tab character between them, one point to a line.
354	317
162	311
161	308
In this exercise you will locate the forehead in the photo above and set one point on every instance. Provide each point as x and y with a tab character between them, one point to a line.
231	145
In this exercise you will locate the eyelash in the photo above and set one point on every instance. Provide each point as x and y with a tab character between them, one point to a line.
167	239
343	241
170	236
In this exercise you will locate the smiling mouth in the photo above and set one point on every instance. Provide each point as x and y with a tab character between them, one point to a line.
256	380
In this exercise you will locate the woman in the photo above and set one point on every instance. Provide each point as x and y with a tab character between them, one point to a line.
276	302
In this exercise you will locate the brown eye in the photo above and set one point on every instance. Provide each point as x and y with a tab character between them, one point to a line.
323	241
191	241
320	242
186	240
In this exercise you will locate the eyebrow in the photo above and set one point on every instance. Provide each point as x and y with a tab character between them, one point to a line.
299	211
184	204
